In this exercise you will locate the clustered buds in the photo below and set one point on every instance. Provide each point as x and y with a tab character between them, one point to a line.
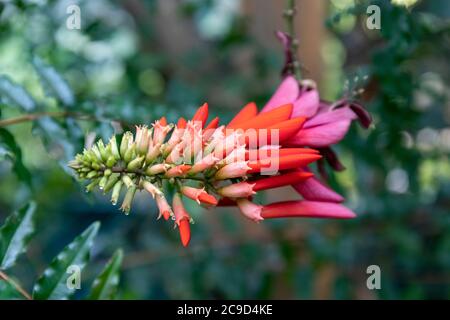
203	163
210	164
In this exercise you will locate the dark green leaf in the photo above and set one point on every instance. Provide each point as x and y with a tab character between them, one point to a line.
54	83
14	94
8	292
8	142
15	234
5	153
53	282
105	285
55	139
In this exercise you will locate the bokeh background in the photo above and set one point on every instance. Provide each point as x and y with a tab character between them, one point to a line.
137	60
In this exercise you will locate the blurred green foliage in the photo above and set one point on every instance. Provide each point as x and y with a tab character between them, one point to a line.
134	61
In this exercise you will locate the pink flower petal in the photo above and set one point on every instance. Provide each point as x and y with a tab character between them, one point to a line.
287	92
328	116
306	209
320	136
307	104
313	189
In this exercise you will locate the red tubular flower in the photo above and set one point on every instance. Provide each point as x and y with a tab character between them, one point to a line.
182	219
163	206
256	151
199	195
281	180
264	120
248	112
201	115
283	163
178	171
310	209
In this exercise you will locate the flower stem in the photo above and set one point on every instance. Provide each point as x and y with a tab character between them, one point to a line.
15	285
140	172
289	17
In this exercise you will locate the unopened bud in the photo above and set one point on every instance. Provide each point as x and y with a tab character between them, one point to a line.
129	196
116	192
127	181
157	168
127	140
114	149
112	179
136	163
96	166
102	182
111	161
91	174
102	149
130	153
92	185
153	152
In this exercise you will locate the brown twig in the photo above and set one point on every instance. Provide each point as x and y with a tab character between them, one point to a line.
58	114
289	16
37	115
15	285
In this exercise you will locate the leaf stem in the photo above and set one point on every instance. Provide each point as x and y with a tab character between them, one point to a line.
15	285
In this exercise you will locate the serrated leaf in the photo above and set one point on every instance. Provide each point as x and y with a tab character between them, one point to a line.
15	234
13	94
55	84
52	285
105	285
15	154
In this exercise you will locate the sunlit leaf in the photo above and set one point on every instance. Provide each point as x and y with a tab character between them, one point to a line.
15	234
53	284
105	285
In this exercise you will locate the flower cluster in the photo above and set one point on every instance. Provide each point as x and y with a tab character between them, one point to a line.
216	164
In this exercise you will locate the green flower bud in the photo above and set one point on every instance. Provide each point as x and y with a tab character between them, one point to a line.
127	181
112	179
136	163
74	164
102	182
127	140
130	153
92	185
114	149
92	174
116	192
92	156
86	156
129	196
101	148
111	161
96	152
95	166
